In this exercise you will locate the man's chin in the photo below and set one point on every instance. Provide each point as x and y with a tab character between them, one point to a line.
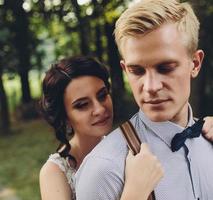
160	117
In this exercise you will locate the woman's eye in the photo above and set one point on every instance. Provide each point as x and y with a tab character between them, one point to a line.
81	105
103	95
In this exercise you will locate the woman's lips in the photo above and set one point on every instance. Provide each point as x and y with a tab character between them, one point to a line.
102	121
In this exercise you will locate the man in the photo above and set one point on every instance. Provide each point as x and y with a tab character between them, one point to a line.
158	42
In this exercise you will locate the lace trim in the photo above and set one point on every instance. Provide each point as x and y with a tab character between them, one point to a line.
66	168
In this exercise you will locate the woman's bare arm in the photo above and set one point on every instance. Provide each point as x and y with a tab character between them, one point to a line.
53	183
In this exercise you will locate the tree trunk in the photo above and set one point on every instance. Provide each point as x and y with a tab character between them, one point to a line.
99	48
83	28
25	87
201	97
197	97
97	13
4	112
118	90
22	43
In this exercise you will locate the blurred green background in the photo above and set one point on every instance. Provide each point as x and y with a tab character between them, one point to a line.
35	33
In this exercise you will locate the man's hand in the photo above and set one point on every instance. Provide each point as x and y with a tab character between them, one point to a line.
142	173
208	128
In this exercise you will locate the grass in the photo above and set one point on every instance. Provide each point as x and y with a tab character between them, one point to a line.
22	155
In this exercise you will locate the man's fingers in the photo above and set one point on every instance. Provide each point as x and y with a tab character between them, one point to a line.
207	125
144	148
208	128
129	155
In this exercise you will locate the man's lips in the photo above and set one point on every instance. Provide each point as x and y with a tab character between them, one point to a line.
156	101
101	121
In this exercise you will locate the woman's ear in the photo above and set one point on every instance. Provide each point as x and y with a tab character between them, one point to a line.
197	63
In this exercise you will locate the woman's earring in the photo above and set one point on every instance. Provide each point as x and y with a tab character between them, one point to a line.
69	129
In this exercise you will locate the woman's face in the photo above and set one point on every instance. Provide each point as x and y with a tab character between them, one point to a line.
88	106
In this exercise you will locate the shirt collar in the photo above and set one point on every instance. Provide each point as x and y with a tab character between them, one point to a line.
165	130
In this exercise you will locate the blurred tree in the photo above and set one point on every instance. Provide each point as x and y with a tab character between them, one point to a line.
6	59
98	10
202	87
22	39
83	27
118	90
4	111
108	12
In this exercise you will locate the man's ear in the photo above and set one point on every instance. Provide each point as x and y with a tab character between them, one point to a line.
122	64
197	62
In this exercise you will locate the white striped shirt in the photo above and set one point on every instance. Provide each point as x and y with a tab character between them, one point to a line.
188	172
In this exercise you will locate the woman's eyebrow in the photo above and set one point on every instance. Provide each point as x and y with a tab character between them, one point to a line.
79	99
102	89
86	98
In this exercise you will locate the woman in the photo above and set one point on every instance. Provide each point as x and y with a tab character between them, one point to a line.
77	104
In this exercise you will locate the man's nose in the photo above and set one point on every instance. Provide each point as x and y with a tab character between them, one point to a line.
152	83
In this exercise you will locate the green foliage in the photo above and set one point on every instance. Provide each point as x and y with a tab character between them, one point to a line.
13	88
22	155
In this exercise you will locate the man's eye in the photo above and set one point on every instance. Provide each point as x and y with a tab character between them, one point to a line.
103	95
164	69
137	71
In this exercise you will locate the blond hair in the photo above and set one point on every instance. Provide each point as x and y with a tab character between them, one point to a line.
148	15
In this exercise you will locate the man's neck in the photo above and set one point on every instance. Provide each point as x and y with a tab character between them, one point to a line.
183	117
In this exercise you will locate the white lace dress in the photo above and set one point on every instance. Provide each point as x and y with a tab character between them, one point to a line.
66	169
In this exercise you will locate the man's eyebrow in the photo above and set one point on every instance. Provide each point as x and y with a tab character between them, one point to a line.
134	66
168	62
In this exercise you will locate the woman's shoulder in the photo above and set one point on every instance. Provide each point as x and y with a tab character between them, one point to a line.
50	169
58	164
53	183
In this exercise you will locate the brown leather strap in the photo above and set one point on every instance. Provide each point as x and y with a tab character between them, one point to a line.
133	142
131	137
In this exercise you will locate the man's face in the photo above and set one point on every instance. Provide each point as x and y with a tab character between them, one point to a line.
159	69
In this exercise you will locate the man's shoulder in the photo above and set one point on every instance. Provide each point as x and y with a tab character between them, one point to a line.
113	145
104	168
111	151
106	161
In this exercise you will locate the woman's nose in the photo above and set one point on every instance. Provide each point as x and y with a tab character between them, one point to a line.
98	108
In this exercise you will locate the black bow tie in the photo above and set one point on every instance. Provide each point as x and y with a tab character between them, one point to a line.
190	132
